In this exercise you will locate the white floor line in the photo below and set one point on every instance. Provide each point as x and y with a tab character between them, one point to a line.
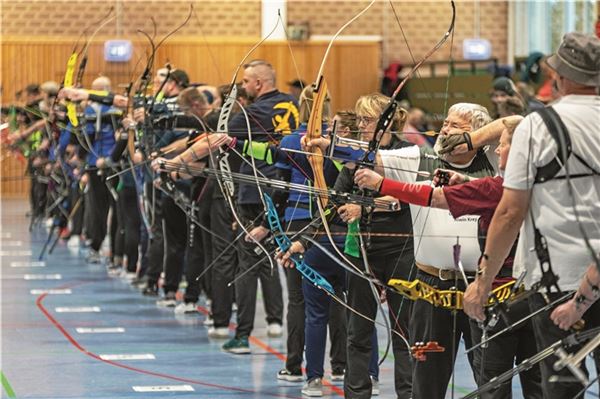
29	263
77	309
128	356
100	330
164	388
65	291
42	277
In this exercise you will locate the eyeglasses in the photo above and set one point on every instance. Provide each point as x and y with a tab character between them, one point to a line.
365	119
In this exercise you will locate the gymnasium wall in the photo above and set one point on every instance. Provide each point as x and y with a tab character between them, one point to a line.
38	37
423	22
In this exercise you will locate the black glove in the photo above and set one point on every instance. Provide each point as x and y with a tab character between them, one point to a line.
451	141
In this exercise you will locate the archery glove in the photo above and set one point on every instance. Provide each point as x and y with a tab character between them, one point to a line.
450	142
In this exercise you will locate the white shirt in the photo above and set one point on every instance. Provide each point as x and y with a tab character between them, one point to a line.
551	203
435	231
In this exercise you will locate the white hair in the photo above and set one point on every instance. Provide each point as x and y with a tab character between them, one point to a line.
476	114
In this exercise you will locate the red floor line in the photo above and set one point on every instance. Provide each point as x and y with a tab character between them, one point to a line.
56	323
273	351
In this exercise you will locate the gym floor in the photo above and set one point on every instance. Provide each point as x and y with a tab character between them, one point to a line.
71	331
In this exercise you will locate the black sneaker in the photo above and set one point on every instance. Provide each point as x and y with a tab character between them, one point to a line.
150	290
286	375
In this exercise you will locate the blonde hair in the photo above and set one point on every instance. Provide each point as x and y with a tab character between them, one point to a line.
306	101
372	105
510	126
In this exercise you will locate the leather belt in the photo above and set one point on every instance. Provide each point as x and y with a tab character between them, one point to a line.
443	274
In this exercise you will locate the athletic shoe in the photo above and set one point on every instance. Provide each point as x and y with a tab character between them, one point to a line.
139	282
150	290
337	375
218	332
313	388
274	330
93	257
286	375
114	270
129	276
74	241
375	386
238	346
168	301
209	320
186	308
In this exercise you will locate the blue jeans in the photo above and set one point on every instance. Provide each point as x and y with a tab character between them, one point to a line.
317	310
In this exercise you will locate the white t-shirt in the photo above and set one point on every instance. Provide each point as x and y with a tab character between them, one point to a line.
435	231
551	203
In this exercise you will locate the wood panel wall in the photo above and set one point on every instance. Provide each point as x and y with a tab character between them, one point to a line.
352	68
14	182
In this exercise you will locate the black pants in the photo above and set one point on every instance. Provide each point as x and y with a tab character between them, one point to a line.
176	239
99	203
144	244
223	272
76	198
357	382
129	226
156	251
246	287
429	323
546	334
502	352
198	255
38	195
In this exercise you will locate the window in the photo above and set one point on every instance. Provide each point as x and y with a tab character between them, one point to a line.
540	25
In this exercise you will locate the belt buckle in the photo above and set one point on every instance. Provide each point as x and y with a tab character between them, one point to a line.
440	272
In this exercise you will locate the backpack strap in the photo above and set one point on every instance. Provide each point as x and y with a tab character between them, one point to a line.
555	127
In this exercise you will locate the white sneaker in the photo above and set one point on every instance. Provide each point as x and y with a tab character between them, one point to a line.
218	332
337	376
168	301
274	330
375	387
313	388
93	257
186	308
208	321
74	241
129	276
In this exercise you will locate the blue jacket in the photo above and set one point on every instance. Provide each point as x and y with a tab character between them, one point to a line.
102	139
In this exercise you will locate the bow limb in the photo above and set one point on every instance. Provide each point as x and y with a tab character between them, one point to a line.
227	187
316	160
448	299
314	131
284	243
71	109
